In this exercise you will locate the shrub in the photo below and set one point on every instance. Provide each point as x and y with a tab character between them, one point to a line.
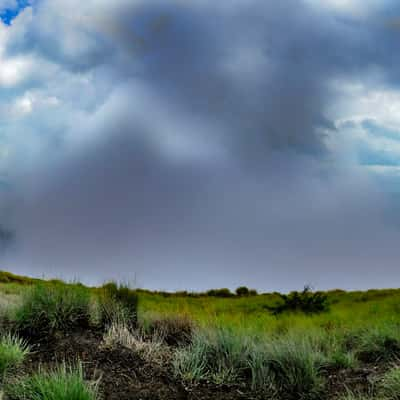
242	291
305	301
245	291
48	308
118	303
13	350
224	292
64	383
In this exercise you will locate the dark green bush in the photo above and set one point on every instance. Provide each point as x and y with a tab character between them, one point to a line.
47	308
242	291
305	301
245	291
224	292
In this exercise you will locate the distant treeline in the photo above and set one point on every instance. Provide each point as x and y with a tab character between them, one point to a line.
334	295
223	292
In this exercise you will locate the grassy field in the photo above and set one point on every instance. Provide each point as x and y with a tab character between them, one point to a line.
205	346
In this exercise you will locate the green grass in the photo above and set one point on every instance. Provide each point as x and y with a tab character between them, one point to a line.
46	308
288	369
294	369
236	340
379	343
13	351
117	303
64	383
8	277
357	396
390	385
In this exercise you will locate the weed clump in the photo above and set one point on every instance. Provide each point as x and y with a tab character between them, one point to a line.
64	383
377	345
282	369
389	388
292	369
47	308
217	355
152	350
172	330
13	351
118	304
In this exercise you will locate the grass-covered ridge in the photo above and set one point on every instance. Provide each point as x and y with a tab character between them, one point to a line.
333	344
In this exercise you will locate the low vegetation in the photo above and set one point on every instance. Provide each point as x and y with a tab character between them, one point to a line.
63	383
305	301
151	349
13	351
117	303
303	345
47	308
389	387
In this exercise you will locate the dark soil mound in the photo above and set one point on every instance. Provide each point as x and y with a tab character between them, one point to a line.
123	373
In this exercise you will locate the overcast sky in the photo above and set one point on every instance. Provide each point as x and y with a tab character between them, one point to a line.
197	144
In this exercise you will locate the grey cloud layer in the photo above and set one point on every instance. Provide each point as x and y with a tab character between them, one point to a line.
187	142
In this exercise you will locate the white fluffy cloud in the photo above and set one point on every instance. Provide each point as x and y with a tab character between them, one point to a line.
350	8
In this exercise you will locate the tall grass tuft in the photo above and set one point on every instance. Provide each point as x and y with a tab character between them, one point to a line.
63	383
47	308
118	303
292	368
389	388
378	344
152	350
284	368
13	351
173	330
218	355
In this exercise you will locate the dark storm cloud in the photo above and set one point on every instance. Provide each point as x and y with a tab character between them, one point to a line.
253	65
190	146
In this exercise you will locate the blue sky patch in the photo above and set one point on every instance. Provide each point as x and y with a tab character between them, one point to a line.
377	130
8	14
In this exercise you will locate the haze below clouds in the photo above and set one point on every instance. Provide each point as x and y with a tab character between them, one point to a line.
190	145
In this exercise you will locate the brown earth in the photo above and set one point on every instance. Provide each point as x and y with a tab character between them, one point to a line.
125	375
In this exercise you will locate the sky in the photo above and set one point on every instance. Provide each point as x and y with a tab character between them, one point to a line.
196	144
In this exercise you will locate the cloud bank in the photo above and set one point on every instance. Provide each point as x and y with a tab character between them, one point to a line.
195	145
